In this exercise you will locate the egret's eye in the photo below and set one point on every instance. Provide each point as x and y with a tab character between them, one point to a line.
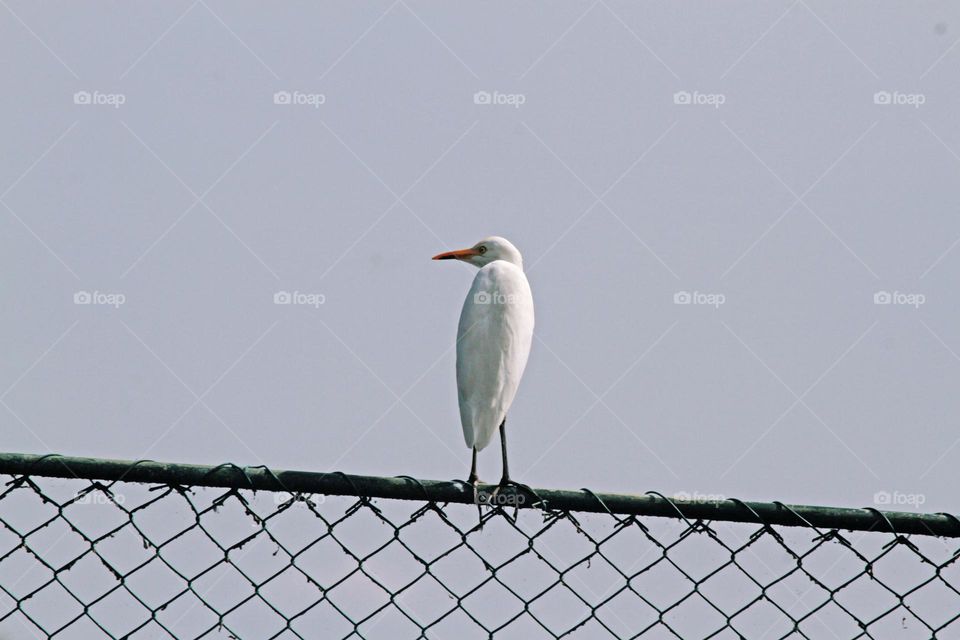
481	249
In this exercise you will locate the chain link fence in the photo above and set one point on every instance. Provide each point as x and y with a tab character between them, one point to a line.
111	549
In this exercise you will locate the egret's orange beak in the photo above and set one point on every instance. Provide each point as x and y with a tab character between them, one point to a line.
460	254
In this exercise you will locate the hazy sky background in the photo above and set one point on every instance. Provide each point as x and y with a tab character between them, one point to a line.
198	198
794	163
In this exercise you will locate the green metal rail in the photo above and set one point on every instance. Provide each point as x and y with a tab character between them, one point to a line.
404	488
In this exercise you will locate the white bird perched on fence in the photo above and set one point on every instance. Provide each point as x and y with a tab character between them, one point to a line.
493	343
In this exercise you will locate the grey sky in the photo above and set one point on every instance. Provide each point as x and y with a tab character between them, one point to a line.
797	199
787	168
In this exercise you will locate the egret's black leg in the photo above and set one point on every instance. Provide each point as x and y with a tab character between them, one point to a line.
505	480
473	479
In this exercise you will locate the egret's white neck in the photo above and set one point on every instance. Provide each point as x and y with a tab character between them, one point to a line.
513	258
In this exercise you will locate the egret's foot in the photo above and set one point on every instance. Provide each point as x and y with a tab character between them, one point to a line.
505	482
474	483
518	495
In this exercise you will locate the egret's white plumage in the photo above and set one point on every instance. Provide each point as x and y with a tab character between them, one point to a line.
493	337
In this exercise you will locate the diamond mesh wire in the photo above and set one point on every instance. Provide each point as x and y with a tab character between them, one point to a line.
88	558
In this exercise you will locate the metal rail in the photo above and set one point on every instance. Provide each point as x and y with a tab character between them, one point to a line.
403	488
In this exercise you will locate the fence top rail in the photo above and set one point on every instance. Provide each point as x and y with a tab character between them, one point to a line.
261	478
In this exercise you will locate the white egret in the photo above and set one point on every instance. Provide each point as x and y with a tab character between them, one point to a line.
493	343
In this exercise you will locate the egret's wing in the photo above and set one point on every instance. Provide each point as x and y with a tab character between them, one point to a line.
493	343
